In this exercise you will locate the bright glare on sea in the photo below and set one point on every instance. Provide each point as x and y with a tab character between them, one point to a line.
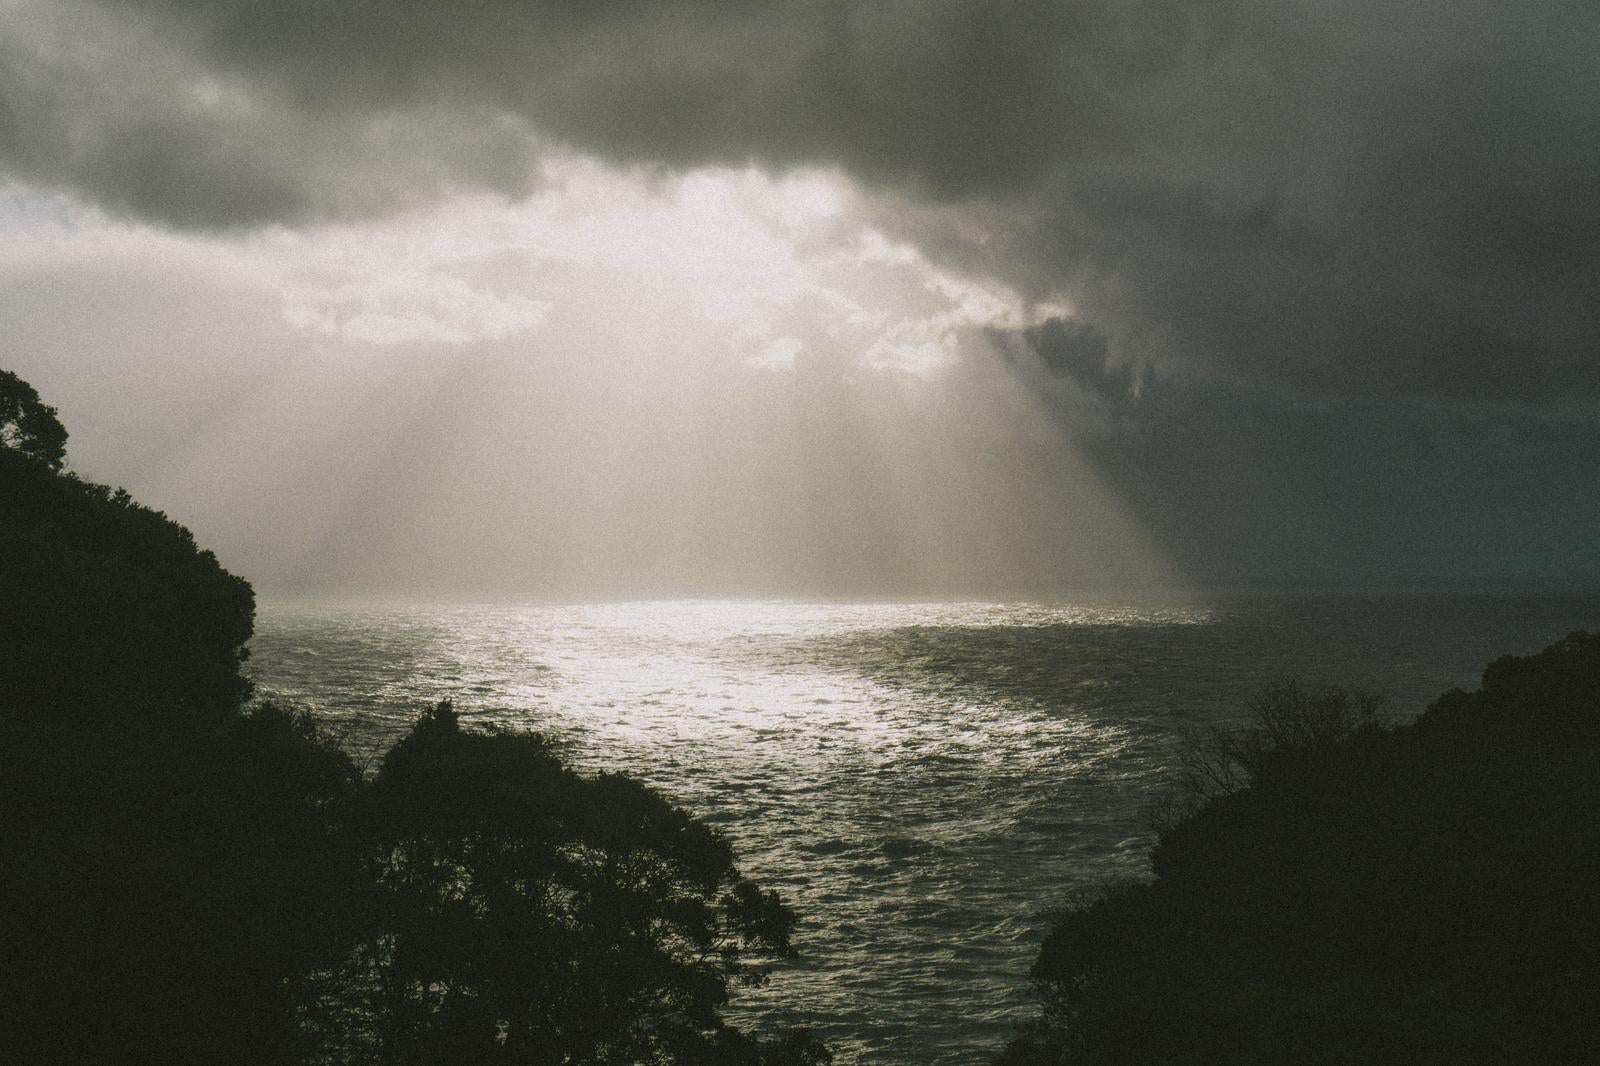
923	782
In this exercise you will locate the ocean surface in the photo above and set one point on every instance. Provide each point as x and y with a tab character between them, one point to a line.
923	782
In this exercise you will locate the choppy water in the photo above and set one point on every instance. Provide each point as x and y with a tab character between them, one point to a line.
923	782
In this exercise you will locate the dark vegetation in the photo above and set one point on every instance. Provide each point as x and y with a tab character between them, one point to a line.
1328	889
28	425
188	876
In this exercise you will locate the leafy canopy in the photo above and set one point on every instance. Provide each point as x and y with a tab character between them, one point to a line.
1337	891
527	913
28	425
189	876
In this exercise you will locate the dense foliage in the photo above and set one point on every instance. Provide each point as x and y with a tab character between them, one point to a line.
189	877
28	425
526	913
109	608
1341	892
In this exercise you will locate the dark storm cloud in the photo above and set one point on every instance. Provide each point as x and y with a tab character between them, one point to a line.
1081	352
121	106
951	97
1362	197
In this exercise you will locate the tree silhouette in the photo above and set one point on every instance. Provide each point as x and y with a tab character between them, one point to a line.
28	425
173	861
1342	892
526	913
189	876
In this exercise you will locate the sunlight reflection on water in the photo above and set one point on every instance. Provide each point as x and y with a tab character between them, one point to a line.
922	781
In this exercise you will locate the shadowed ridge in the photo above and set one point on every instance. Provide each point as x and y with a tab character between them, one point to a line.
174	861
188	878
1420	894
107	607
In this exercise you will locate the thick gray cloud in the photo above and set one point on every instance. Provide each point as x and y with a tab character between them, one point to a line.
125	109
1081	352
1362	197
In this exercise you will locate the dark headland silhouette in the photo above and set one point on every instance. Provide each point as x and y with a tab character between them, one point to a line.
192	877
1331	890
189	875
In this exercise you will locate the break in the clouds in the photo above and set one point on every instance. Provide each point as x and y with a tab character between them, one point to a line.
717	383
762	296
1359	197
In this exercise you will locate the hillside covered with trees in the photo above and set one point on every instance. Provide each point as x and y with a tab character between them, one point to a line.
191	875
1328	889
187	875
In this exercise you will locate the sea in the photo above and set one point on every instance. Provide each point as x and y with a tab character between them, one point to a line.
925	783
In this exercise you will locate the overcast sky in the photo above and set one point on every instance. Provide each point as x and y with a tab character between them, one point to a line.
485	297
